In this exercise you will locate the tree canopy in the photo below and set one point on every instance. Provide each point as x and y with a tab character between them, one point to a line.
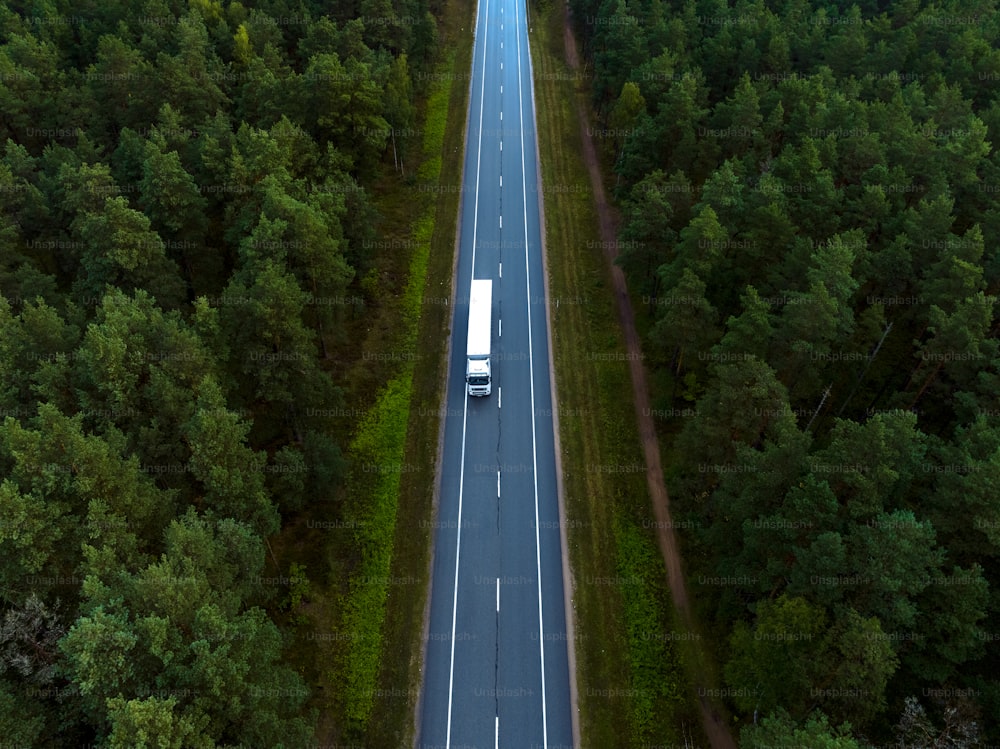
808	196
188	201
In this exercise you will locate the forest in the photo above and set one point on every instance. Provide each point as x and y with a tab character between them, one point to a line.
187	230
808	193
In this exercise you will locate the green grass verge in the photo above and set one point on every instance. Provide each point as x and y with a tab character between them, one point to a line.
656	687
632	687
377	455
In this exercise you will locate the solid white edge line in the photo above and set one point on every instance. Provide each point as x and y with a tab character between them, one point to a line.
531	375
465	401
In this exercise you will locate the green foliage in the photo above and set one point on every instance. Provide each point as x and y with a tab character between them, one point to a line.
231	473
815	733
434	128
792	660
179	630
688	326
21	719
655	207
288	479
150	724
186	207
773	662
121	250
298	591
378	446
655	684
831	204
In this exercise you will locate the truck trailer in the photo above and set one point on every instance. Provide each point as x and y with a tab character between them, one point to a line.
477	368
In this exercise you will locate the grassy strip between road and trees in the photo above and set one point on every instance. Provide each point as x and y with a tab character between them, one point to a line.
633	689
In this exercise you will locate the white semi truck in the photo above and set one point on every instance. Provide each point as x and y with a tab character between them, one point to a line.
477	368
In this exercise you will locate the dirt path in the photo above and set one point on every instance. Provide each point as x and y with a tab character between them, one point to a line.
714	726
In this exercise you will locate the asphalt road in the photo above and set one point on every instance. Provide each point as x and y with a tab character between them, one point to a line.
496	670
